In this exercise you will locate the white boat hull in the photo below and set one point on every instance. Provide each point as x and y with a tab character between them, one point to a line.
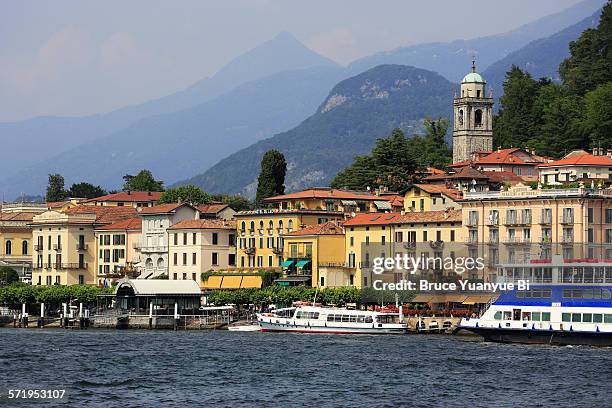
270	325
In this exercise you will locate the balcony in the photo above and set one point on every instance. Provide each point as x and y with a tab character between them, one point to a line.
493	240
249	250
81	247
57	247
568	239
152	249
518	221
472	222
567	219
66	266
471	241
277	251
517	241
38	247
493	222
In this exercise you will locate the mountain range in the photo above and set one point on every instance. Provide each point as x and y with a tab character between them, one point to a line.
356	112
267	90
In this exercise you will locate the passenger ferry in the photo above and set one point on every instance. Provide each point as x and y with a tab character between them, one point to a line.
314	319
568	304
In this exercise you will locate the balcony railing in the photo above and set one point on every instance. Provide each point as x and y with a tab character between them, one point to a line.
278	250
567	219
517	240
492	222
472	222
471	240
65	266
249	250
81	247
38	247
57	247
153	249
567	239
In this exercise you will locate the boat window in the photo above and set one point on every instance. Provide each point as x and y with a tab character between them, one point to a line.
566	317
576	318
345	318
369	319
315	315
330	318
338	318
353	318
520	294
567	293
508	315
587	318
498	315
526	316
587	293
360	319
298	315
597	318
547	293
535	316
546	316
605	294
608	318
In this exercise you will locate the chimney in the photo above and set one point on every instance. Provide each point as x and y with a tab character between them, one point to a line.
149	193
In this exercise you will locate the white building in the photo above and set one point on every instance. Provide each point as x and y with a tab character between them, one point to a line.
154	243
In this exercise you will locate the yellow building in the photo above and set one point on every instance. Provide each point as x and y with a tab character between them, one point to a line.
309	252
370	236
331	199
261	233
135	199
16	242
521	224
431	197
65	246
117	249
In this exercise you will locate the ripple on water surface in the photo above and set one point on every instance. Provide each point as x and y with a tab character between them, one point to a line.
164	368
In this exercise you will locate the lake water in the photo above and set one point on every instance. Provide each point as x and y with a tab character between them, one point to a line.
197	368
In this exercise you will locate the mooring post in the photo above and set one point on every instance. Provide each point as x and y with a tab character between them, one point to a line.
65	305
81	319
24	317
150	315
176	316
42	315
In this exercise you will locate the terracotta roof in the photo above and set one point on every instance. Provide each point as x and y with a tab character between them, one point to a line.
433	170
16	229
211	208
327	228
441	189
204	224
57	204
130	224
17	216
396	201
163	208
466	172
131	196
323	193
503	177
503	156
276	211
104	215
580	159
409	217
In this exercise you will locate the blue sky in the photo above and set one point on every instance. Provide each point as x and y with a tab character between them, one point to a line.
81	57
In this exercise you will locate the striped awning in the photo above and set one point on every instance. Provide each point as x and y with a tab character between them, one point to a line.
302	263
251	282
213	282
231	282
287	264
349	202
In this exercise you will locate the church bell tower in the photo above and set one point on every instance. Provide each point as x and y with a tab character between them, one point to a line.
473	118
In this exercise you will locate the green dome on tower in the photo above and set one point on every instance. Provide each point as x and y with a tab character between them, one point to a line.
473	76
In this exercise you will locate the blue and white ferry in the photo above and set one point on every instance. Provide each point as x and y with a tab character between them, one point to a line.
566	304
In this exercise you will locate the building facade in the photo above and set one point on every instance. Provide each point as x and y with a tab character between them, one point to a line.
117	249
578	165
154	240
261	233
201	245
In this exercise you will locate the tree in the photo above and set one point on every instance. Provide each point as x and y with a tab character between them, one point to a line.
236	202
590	62
185	194
8	275
55	188
85	190
271	180
435	151
514	124
597	121
143	181
392	164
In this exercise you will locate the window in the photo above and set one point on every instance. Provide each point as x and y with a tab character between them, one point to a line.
193	258
382	240
193	277
24	247
399	237
175	238
231	238
452	236
184	238
175	258
184	258
8	248
193	238
546	316
215	258
81	280
478	115
231	259
566	317
608	215
590	215
424	236
270	260
215	238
